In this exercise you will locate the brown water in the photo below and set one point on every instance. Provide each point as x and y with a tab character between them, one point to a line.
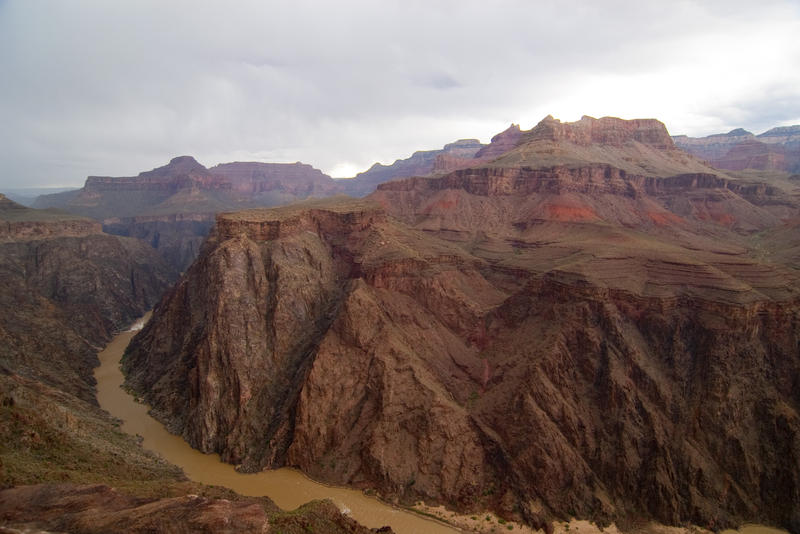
755	529
289	488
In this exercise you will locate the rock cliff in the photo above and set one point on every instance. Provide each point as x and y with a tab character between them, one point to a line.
173	207
66	287
547	341
176	237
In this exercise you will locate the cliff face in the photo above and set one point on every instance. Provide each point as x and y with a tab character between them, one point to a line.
185	186
18	223
177	237
66	287
173	207
296	179
573	340
501	143
604	131
370	355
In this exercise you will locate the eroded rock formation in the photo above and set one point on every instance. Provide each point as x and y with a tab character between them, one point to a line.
98	509
584	339
66	287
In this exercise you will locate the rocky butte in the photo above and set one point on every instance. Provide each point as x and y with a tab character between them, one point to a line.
592	323
173	207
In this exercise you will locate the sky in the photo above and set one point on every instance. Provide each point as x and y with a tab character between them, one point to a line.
113	88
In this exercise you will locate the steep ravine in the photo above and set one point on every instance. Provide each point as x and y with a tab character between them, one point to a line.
342	342
65	288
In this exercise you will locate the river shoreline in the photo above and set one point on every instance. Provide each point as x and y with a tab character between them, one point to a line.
288	488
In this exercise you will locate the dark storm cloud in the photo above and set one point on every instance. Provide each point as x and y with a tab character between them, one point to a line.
118	87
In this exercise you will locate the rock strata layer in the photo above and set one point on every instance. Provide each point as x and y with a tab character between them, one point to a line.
547	341
777	149
65	291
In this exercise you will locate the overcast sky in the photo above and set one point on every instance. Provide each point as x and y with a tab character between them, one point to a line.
116	87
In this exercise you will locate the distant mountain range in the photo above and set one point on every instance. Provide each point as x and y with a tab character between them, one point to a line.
777	149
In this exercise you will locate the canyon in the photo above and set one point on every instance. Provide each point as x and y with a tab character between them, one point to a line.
65	288
581	320
173	207
585	321
777	149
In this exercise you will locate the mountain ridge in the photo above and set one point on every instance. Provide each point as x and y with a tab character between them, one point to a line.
594	339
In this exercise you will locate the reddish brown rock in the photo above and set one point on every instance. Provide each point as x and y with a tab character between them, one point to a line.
500	144
776	149
604	131
297	179
100	509
581	339
65	288
18	223
753	154
173	207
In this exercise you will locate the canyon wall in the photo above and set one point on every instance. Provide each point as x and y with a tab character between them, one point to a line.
365	353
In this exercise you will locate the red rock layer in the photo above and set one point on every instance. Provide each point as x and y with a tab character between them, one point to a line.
27	230
573	340
604	131
100	509
365	353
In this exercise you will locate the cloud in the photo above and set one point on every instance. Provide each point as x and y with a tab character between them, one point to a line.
95	87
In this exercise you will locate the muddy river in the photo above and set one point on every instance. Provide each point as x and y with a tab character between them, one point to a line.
287	487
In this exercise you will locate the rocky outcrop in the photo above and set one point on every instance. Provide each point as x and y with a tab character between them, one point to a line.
604	131
19	223
99	509
647	405
173	207
185	186
368	354
713	147
639	146
501	143
65	291
297	179
579	339
753	154
592	192
28	230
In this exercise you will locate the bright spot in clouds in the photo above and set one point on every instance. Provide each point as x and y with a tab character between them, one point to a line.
345	170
